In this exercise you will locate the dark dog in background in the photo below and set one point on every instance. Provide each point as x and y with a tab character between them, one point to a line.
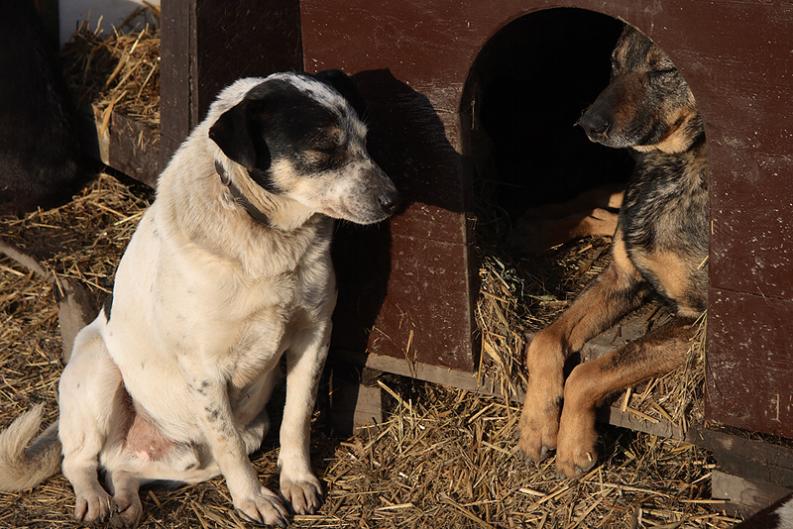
38	147
660	247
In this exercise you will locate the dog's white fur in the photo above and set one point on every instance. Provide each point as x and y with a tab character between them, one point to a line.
206	301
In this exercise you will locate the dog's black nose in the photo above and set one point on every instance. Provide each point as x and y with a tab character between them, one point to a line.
389	201
594	124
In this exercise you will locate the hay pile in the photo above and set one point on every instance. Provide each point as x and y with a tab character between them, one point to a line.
442	459
117	70
520	296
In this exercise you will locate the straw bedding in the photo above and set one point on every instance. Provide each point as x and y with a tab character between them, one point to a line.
442	458
119	69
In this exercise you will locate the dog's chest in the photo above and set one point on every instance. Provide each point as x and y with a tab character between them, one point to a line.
665	227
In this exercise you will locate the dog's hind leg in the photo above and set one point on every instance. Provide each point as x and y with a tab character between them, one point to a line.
616	291
657	353
90	401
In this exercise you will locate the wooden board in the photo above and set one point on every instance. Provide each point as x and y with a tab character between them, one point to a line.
749	379
209	44
752	458
129	146
746	497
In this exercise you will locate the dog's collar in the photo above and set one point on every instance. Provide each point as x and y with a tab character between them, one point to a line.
255	213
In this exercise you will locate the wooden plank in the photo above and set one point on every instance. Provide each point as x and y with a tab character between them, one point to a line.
237	39
612	415
427	372
409	298
126	145
750	372
630	328
177	54
746	497
207	45
754	459
356	399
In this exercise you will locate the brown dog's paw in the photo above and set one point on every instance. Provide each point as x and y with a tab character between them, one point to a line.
576	453
539	425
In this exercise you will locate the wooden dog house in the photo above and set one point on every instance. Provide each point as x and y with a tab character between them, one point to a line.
407	289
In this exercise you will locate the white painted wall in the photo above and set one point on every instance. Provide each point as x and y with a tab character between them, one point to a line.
113	12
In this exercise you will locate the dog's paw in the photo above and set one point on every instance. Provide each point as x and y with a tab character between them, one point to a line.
127	510
263	508
304	494
92	505
539	425
576	453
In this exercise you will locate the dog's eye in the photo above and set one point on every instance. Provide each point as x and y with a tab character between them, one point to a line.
325	148
665	73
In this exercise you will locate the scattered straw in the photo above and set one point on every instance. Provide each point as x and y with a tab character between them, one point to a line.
441	459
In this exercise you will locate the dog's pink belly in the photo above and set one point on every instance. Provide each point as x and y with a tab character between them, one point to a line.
145	441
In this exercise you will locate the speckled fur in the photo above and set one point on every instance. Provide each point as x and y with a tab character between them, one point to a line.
170	381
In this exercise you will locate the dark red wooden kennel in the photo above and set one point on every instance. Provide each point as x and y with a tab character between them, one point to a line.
408	289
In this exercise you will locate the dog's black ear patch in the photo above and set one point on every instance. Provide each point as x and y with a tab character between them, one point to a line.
344	84
233	135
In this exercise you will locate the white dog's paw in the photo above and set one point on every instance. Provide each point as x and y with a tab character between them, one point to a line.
303	494
128	510
92	505
263	508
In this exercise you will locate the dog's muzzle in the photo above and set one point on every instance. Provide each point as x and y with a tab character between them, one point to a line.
389	200
595	124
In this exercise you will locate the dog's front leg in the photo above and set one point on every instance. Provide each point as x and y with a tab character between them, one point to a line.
213	410
305	360
656	354
617	290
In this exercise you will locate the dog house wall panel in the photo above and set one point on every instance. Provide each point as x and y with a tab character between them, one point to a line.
208	44
735	56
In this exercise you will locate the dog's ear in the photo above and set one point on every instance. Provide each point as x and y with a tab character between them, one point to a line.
343	84
231	132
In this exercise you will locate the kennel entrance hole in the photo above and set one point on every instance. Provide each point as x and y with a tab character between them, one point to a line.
527	88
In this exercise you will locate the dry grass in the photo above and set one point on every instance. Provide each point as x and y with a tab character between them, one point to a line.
118	70
442	458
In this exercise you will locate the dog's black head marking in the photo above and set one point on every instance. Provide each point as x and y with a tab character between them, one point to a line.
293	128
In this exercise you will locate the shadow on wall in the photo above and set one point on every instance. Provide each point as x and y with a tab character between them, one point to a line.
407	139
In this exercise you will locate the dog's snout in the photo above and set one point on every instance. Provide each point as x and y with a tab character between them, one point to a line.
389	201
594	124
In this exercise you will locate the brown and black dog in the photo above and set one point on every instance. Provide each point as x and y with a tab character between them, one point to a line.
660	248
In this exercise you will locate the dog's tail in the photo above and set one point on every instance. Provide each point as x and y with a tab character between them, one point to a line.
24	461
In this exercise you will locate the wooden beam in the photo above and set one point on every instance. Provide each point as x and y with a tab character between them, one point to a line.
746	496
124	144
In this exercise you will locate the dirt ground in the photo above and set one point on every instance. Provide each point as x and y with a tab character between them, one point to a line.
442	458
